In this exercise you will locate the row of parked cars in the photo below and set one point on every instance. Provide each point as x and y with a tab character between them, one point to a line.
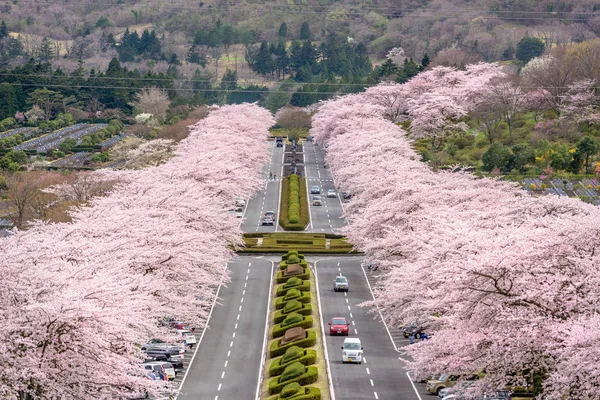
164	359
455	387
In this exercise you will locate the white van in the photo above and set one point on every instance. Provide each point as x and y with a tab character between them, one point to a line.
352	351
189	337
239	202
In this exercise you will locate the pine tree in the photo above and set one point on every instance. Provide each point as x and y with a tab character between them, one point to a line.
283	30
3	30
264	62
46	50
305	33
425	62
8	105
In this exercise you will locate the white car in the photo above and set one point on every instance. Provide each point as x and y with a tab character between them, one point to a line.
331	193
161	366
189	337
316	201
239	202
238	212
352	351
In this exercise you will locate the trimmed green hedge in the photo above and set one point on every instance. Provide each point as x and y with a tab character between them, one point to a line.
305	356
281	314
279	329
311	375
310	393
282	279
280	302
310	340
284	264
293	214
282	290
291	253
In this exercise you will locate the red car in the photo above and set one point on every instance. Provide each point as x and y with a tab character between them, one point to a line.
338	326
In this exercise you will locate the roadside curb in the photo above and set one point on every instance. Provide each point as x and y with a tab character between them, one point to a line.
261	374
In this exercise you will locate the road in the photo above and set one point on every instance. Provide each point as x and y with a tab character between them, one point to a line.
227	363
326	218
266	199
381	375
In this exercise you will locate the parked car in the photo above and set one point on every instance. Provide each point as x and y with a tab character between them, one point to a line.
340	283
315	190
176	363
267	221
346	195
158	367
338	326
168	351
309	138
331	193
188	337
415	328
316	201
352	351
443	381
239	202
238	212
181	325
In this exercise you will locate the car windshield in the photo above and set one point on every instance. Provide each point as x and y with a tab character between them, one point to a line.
316	198
338	321
352	346
443	377
340	279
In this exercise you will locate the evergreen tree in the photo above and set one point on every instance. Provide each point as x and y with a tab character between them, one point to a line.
305	32
8	105
229	80
46	50
283	31
425	62
295	55
387	69
3	30
264	62
114	68
308	54
528	48
282	61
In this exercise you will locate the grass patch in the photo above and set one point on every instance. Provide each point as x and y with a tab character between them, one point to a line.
303	242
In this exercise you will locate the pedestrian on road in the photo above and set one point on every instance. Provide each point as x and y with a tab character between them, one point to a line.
411	338
274	176
152	375
424	337
270	175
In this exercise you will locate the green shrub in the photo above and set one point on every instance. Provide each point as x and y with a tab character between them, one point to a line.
292	318
304	286
292	371
280	302
281	279
300	308
276	350
293	259
310	393
292	294
290	390
304	322
311	375
292	283
304	356
284	264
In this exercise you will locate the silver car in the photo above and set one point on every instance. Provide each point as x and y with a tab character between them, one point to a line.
316	201
340	283
331	193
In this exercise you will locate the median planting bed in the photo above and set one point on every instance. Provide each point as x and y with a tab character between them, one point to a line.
294	214
282	242
295	366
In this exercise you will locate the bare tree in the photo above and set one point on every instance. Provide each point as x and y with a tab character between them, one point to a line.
153	101
507	99
490	120
293	118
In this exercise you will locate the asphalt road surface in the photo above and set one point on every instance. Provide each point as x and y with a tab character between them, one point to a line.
227	363
266	199
382	374
326	218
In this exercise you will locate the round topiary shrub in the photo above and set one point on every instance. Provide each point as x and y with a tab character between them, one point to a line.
292	294
291	354
293	259
292	252
292	371
290	390
293	318
291	306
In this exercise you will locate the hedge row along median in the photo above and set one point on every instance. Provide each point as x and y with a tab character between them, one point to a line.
295	354
293	215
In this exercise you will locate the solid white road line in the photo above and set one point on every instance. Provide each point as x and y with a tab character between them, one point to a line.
262	361
323	340
202	335
413	385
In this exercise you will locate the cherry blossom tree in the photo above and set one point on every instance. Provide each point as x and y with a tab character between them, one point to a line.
79	297
506	281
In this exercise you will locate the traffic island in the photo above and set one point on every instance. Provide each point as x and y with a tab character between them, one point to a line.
282	242
295	366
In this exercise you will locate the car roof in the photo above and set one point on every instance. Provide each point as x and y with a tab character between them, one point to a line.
338	318
341	276
352	340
